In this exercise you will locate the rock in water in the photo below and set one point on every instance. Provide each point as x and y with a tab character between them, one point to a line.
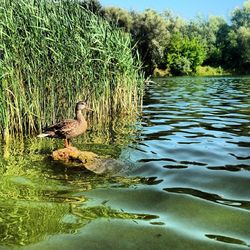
72	154
89	160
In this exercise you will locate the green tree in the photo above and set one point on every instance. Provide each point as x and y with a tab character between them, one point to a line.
241	16
207	31
119	17
236	49
237	53
184	55
154	36
174	23
213	29
244	46
151	36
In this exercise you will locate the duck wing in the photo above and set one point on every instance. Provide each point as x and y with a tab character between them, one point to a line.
62	128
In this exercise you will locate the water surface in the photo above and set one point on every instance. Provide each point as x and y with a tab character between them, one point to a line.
186	184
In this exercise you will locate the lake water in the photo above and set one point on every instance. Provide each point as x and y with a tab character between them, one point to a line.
185	184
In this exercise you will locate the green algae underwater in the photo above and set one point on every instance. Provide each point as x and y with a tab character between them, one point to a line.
41	197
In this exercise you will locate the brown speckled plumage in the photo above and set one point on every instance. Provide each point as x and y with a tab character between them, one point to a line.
68	128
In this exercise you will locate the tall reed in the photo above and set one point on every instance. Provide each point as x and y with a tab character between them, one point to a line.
54	53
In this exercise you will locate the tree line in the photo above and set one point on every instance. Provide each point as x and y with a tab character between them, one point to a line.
167	41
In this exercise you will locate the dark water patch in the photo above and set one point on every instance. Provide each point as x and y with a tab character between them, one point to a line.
210	197
240	157
160	159
153	152
186	142
226	239
231	168
184	164
139	149
244	144
151	181
199	135
161	136
157	223
175	166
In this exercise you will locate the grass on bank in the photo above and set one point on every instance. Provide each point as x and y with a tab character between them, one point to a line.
211	71
55	53
200	71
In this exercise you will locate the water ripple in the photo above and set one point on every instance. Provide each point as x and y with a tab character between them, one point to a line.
226	239
204	120
210	197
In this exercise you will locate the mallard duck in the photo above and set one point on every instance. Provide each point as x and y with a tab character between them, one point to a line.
69	128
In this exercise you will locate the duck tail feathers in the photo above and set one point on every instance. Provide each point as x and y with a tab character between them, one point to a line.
42	135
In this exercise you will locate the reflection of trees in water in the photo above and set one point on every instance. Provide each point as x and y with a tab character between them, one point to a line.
27	222
24	223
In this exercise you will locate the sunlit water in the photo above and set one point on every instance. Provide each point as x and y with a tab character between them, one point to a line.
186	183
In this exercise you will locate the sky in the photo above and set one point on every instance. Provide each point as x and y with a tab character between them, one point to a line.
187	9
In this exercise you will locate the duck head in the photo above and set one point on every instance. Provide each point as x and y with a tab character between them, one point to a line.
82	105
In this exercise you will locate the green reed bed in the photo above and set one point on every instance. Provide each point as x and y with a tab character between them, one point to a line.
55	53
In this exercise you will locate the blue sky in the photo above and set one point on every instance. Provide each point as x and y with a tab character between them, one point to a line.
185	8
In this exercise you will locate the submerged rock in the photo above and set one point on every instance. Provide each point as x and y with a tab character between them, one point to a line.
74	157
72	154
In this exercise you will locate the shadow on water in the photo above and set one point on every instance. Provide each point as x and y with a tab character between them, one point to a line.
185	184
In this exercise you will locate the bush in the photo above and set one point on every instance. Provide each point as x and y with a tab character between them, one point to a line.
210	71
184	55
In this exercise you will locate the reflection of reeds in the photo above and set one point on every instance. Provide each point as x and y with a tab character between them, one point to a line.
106	138
34	190
53	54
